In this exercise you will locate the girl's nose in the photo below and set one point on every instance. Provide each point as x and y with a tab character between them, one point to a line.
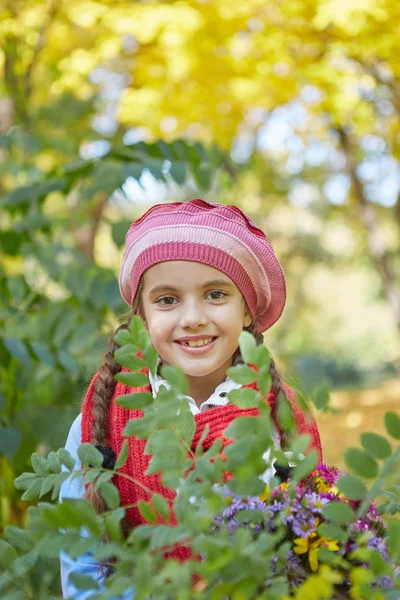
193	316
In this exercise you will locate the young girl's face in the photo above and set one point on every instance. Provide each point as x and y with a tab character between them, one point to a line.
187	302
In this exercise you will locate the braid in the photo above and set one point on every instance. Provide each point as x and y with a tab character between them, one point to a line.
103	393
276	379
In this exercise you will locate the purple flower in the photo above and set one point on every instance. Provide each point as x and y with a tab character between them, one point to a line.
315	502
377	543
294	569
383	581
232	525
329	474
303	524
228	515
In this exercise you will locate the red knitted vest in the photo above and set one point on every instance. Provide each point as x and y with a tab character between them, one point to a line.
218	419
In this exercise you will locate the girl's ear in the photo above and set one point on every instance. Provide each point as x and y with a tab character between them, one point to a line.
247	320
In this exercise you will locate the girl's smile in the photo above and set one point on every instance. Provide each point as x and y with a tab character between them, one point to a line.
194	314
197	344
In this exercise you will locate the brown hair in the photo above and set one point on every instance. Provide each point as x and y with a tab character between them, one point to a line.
104	390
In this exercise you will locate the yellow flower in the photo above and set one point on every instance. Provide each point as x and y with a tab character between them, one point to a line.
311	545
322	486
265	495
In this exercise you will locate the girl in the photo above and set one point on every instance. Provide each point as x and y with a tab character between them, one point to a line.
197	274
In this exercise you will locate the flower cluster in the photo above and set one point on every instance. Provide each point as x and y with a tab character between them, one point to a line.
299	513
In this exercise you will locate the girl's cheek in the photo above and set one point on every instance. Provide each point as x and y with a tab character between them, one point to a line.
159	324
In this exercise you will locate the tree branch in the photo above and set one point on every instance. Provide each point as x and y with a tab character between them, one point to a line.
53	6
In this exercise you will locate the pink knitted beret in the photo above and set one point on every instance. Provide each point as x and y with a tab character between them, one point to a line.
220	236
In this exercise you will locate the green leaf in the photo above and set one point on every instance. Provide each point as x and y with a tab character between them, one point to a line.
352	487
147	512
245	398
68	361
392	424
187	425
300	445
138	332
7	554
123	455
24	481
48	484
203	175
176	378
339	512
54	462
199	447
43	353
262	358
150	358
66	459
91	476
331	531
394	536
111	495
126	356
64	327
160	505
361	463
248	346
135	401
242	427
19	538
83	582
17	349
90	456
320	397
24	563
178	172
376	445
113	525
39	465
33	490
103	478
118	231
306	466
242	374
164	536
264	381
82	336
123	337
285	415
133	379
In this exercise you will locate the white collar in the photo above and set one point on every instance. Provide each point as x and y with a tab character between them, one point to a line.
217	398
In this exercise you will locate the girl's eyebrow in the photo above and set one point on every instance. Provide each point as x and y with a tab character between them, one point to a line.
165	287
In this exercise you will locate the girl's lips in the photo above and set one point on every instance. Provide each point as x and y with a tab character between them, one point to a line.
196	350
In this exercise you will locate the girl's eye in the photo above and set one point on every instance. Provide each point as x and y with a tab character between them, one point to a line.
217	295
165	301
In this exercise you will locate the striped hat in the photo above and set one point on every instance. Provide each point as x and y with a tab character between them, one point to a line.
217	235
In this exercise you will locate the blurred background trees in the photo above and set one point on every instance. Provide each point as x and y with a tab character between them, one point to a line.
289	110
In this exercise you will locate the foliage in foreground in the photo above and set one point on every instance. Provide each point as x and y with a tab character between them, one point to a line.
234	563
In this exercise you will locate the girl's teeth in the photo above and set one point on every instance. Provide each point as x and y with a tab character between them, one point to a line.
199	342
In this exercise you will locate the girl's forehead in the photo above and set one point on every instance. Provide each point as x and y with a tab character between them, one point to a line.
183	273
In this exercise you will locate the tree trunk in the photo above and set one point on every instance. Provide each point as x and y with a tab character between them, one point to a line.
85	236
